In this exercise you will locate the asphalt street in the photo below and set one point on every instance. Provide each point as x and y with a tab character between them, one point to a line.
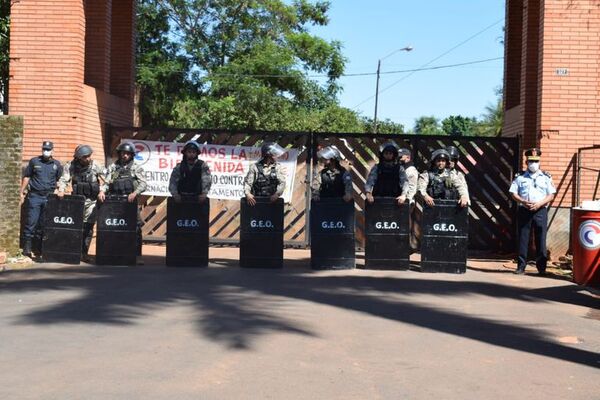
152	332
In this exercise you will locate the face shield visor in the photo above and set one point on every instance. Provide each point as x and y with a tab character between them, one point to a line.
275	150
329	153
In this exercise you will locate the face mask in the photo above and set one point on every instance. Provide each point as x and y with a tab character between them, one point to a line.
47	153
533	166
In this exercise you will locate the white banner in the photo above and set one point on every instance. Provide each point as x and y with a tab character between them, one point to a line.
228	166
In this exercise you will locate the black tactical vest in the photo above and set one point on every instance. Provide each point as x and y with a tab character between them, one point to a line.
84	182
123	183
190	179
265	185
441	187
390	180
332	183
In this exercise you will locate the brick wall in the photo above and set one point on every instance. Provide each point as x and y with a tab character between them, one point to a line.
569	111
98	29
51	64
47	44
559	105
11	139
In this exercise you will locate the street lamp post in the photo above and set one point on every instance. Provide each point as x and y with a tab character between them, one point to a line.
407	48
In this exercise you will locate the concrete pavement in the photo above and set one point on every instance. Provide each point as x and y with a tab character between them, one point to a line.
151	332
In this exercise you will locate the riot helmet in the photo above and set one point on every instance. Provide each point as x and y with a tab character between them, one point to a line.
126	147
440	154
83	150
404	152
391	147
330	152
191	144
453	153
271	149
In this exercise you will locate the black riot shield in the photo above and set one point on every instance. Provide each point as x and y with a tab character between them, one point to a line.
387	234
63	229
116	238
187	233
444	238
261	234
332	234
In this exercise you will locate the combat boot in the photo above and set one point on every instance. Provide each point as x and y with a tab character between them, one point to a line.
27	247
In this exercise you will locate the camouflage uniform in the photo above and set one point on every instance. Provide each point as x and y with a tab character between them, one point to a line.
137	174
204	183
412	176
451	181
97	172
461	177
346	179
90	179
274	169
124	180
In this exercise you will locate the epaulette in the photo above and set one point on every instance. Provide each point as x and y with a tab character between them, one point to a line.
547	174
519	173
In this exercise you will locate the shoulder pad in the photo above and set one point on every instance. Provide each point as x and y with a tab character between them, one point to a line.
547	174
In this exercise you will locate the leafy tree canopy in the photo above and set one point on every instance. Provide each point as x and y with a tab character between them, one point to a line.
4	52
239	64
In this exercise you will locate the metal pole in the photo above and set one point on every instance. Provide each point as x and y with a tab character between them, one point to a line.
376	96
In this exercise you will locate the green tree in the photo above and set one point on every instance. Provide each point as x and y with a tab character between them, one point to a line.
239	64
492	119
457	125
383	126
163	74
4	52
427	125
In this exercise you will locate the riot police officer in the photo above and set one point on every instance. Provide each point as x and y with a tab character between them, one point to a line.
333	180
438	183
125	177
533	190
265	177
412	175
39	180
191	177
388	177
85	177
454	156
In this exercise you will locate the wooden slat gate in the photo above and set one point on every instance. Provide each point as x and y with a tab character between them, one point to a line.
489	165
225	214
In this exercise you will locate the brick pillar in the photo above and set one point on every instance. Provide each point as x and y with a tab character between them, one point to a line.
123	49
530	72
47	42
98	14
11	140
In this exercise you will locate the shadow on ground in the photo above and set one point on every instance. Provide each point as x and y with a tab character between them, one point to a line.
234	305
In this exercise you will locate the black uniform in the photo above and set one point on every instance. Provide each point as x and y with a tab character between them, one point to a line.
391	179
43	174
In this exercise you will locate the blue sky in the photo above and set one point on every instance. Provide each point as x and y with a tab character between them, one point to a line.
370	30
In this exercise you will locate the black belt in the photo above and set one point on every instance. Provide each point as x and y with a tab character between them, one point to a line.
42	192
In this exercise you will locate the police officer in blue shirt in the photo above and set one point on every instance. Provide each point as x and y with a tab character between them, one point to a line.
39	178
533	190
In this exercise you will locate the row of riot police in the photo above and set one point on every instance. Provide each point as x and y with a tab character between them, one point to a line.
390	189
89	181
123	181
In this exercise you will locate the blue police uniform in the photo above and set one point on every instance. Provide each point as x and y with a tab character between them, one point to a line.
533	187
43	175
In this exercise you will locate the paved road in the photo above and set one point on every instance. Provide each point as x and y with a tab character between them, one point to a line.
225	333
